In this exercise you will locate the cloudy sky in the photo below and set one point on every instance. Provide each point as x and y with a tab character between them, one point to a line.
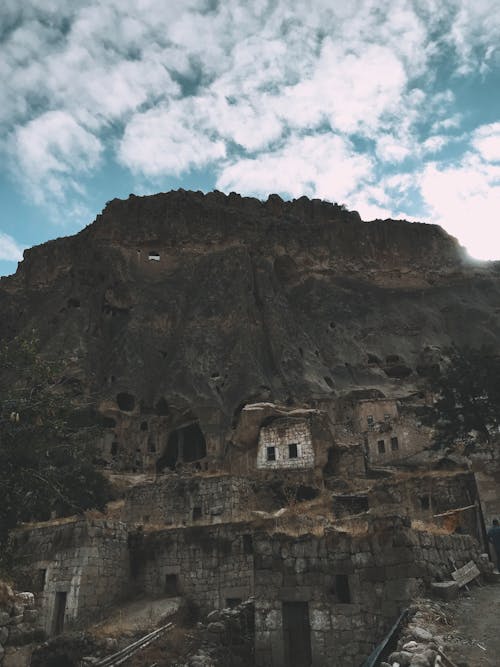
391	107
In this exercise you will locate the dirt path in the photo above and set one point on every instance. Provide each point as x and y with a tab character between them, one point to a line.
473	639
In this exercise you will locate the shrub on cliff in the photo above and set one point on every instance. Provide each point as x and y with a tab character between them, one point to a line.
45	454
467	405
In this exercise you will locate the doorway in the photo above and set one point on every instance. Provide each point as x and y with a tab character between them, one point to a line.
59	612
297	634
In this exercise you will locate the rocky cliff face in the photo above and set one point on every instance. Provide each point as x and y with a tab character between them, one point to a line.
199	303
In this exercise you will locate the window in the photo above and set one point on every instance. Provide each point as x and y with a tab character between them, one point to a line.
369	419
171	585
341	589
247	544
381	446
425	502
271	453
292	450
196	513
233	602
154	256
394	444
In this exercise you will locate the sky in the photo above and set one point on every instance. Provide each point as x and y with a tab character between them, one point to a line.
391	107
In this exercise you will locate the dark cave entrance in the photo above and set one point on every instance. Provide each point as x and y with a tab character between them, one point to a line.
185	445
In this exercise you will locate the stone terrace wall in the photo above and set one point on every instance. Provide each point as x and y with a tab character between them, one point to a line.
208	564
383	572
86	560
172	501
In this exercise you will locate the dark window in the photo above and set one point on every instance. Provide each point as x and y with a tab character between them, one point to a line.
233	602
425	502
114	448
144	426
196	513
381	446
108	422
271	453
154	256
292	450
151	445
247	544
394	444
341	588
171	585
126	402
369	419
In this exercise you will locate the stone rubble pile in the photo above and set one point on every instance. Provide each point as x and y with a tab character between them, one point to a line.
226	638
419	646
18	627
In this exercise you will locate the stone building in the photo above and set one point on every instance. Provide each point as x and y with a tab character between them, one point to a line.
387	434
285	443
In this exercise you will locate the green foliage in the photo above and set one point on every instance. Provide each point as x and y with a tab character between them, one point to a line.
467	408
45	459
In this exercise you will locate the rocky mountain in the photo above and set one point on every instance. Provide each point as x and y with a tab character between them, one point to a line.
206	302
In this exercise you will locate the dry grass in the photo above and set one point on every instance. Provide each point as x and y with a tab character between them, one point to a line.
431	527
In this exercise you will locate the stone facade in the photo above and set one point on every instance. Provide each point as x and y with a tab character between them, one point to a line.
348	589
208	565
388	436
285	443
76	569
183	501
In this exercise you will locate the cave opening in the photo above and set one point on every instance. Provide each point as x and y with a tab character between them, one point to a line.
185	445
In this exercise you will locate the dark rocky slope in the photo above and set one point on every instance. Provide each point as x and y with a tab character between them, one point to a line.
247	301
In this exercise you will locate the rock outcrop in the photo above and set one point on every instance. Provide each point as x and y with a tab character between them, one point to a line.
182	306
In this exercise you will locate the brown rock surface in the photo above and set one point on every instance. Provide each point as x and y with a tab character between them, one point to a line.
248	301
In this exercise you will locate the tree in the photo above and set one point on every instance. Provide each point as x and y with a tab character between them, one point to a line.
45	456
467	405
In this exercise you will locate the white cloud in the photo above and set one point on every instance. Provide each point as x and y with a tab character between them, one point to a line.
50	150
164	141
465	200
323	166
486	141
273	95
10	250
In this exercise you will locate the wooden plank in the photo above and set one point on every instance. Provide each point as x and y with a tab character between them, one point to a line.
465	574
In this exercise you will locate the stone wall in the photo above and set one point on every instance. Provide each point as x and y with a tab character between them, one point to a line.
81	567
352	587
396	440
19	627
286	443
179	501
209	565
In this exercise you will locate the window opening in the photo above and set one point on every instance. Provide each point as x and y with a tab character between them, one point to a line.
271	453
171	585
233	602
154	256
381	446
196	513
394	444
369	419
292	450
247	545
341	589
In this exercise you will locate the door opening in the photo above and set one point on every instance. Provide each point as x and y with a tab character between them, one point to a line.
297	634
